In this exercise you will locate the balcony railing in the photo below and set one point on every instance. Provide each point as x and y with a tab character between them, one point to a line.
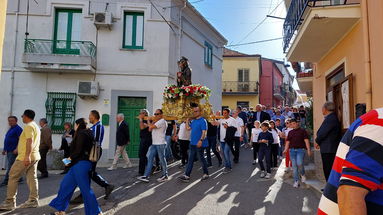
47	47
305	74
294	17
235	87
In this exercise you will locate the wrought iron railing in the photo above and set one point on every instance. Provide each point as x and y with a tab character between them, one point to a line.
295	17
305	74
279	90
240	87
41	46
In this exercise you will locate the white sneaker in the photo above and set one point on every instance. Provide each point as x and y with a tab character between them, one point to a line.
263	174
296	184
268	176
254	162
163	179
112	168
127	166
143	178
303	179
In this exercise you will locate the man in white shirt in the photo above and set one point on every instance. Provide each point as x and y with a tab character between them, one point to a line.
158	128
224	124
238	135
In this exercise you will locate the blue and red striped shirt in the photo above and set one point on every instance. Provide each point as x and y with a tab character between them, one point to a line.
358	162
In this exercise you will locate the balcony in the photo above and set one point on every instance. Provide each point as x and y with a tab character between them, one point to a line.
279	93
305	81
59	56
239	88
313	27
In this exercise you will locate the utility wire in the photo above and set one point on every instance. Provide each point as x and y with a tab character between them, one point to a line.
167	22
259	41
264	19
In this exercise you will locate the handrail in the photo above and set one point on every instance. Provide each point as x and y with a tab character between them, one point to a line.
64	47
295	14
240	87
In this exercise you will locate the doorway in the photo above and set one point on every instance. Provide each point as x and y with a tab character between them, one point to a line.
131	107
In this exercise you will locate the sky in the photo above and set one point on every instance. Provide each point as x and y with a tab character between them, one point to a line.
237	19
243	21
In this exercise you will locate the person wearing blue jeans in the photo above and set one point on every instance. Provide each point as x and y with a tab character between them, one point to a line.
171	131
78	174
224	124
212	139
158	128
10	145
297	155
226	154
198	143
152	152
297	143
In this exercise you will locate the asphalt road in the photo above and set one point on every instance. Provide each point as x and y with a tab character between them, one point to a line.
239	192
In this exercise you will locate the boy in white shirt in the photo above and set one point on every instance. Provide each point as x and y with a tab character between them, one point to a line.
254	139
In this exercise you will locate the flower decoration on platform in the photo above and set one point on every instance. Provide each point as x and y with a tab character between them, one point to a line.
172	92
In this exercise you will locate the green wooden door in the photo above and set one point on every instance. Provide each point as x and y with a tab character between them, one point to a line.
130	107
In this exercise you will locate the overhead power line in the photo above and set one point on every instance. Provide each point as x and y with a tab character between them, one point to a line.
264	19
259	41
167	22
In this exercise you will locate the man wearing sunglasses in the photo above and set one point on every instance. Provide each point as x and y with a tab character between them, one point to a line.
158	128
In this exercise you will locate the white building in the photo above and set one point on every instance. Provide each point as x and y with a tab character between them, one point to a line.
132	54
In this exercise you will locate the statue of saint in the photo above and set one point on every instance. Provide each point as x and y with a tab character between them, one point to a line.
184	74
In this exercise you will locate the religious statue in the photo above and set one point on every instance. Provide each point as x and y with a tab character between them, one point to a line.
184	74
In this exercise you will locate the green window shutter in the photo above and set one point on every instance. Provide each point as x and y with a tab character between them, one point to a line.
60	108
133	30
208	54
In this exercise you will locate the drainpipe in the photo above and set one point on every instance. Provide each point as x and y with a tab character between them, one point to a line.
14	60
367	54
180	30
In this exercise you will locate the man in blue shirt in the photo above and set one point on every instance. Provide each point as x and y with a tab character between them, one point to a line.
10	145
198	144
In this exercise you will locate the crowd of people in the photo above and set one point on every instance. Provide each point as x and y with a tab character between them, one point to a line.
272	133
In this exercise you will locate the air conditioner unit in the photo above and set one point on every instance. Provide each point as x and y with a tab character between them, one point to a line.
88	89
102	19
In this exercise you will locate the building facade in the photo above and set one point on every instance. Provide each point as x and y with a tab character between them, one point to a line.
347	61
115	56
240	79
342	41
272	93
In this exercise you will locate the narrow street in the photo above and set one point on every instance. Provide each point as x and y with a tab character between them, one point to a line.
239	192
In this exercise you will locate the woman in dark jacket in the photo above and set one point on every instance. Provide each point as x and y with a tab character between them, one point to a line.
78	174
66	140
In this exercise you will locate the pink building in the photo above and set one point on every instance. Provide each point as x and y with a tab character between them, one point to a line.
271	90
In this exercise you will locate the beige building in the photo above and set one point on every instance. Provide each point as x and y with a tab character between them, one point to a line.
240	79
343	41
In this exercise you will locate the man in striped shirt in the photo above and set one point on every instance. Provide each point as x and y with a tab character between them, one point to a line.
355	185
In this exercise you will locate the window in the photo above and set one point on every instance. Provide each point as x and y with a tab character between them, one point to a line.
67	29
243	104
243	75
208	55
243	80
60	108
133	30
